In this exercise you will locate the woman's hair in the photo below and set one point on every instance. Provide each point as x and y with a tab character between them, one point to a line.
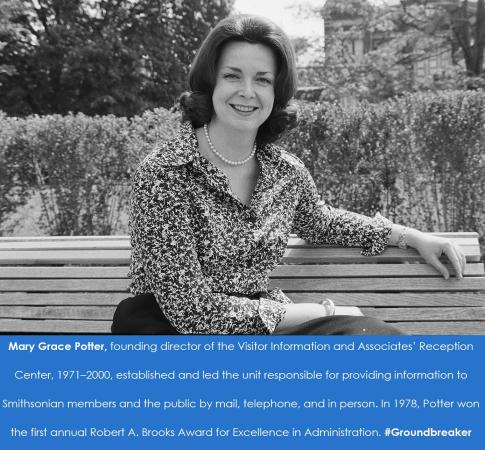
197	104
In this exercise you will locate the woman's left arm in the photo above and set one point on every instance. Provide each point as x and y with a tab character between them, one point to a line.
430	248
319	223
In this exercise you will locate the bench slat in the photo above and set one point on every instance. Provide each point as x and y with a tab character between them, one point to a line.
410	299
452	234
440	328
47	272
120	237
124	237
307	255
111	257
392	299
65	285
287	271
114	244
57	312
106	313
417	313
63	298
54	326
338	255
457	238
366	270
286	284
385	284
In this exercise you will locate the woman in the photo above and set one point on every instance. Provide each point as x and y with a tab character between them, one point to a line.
211	210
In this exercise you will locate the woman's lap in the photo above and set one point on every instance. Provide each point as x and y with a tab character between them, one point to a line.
142	315
344	325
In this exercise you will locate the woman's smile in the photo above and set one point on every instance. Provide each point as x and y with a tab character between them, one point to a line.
243	108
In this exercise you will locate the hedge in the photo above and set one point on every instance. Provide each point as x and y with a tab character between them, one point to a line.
79	166
418	159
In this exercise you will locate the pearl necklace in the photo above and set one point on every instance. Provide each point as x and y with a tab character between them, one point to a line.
227	161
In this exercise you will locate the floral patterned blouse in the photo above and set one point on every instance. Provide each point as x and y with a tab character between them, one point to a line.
206	256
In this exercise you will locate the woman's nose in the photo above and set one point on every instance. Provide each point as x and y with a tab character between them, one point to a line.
247	89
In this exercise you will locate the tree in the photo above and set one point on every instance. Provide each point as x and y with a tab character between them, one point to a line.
396	39
7	29
99	56
463	22
341	72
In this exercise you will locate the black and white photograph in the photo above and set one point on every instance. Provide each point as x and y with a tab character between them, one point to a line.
242	224
241	167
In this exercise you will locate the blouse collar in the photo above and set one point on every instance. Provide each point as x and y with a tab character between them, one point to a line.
183	150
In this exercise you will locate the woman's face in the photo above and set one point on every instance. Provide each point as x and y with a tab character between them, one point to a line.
243	96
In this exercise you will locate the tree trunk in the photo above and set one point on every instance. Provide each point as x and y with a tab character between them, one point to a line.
479	38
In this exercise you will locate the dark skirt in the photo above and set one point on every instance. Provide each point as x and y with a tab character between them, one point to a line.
142	315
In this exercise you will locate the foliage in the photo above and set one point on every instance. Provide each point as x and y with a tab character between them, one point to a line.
418	159
348	9
79	165
14	182
99	57
446	175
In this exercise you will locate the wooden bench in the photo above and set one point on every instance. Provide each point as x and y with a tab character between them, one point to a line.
73	284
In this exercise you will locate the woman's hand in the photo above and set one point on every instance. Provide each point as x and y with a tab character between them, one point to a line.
298	313
432	247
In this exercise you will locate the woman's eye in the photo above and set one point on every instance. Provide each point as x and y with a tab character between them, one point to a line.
264	80
231	76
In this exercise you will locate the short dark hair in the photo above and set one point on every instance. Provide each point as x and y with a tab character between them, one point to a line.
197	105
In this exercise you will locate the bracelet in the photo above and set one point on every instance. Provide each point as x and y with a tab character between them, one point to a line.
401	241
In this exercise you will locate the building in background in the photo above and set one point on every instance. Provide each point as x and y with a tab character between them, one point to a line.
426	57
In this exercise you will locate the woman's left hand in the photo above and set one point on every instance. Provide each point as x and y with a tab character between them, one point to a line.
432	247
